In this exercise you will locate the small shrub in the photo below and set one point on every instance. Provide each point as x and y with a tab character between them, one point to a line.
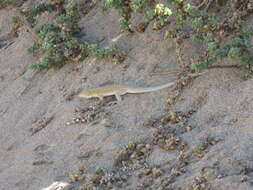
59	45
31	14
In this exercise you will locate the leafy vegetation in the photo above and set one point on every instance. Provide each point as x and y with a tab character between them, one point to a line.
205	26
10	3
222	38
5	3
31	14
59	45
238	49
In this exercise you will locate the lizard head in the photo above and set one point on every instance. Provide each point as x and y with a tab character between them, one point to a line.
88	93
85	94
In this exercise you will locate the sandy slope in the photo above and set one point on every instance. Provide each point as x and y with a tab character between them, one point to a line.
42	101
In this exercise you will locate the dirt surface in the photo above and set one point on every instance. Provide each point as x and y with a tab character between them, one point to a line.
47	134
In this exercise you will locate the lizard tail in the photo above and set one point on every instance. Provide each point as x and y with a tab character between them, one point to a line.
150	89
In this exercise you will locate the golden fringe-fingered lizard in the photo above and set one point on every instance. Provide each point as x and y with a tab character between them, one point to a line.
118	91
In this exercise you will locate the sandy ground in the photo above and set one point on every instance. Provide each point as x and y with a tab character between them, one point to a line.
40	143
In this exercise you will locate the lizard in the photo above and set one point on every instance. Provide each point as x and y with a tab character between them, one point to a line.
119	90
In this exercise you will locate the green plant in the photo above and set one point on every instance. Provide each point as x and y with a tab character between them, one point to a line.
101	171
5	3
40	8
152	11
182	10
149	8
138	5
238	49
14	20
137	141
59	45
202	146
161	14
123	8
205	27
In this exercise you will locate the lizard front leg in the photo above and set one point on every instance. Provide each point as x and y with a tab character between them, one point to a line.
100	98
118	97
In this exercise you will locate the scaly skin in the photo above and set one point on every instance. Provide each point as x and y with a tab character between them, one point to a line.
118	90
